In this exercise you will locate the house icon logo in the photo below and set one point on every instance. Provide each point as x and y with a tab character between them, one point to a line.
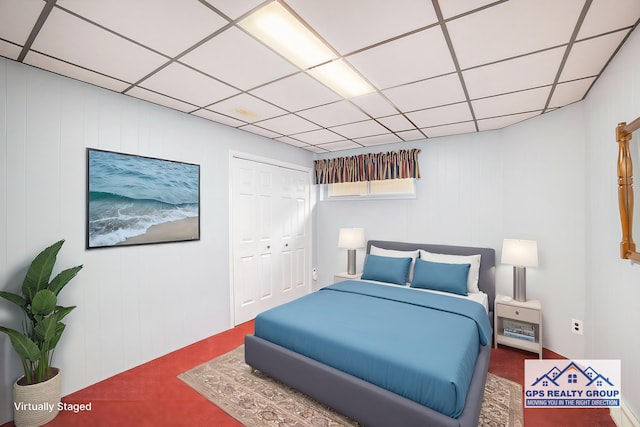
572	383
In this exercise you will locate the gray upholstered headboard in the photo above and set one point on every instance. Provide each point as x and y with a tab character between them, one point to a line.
487	281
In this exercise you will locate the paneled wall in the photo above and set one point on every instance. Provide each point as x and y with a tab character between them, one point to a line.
134	303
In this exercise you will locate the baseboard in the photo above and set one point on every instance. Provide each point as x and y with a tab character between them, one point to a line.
623	417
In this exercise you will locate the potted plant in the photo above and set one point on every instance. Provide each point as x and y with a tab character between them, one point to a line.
37	393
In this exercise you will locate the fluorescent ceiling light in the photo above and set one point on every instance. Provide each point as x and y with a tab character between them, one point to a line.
280	30
339	76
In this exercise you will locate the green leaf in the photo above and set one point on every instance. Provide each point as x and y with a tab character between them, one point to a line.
61	280
25	348
16	299
56	337
44	302
61	312
39	271
46	329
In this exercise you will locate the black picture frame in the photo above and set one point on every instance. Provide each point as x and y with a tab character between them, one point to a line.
138	200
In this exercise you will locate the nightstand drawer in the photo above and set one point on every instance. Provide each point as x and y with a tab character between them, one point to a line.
519	313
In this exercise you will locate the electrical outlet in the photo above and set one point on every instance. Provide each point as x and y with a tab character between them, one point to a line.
314	274
576	326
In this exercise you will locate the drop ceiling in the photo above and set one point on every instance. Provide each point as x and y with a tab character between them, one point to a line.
439	67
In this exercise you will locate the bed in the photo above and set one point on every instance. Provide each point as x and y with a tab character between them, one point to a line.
334	354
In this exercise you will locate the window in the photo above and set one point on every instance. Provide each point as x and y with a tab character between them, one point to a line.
573	378
384	189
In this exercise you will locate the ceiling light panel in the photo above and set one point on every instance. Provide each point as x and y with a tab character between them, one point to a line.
17	17
73	40
513	28
587	58
427	93
279	29
296	93
604	16
337	113
342	78
167	26
354	24
188	85
415	57
524	72
247	108
238	59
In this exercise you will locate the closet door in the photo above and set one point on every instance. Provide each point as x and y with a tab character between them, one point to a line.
270	236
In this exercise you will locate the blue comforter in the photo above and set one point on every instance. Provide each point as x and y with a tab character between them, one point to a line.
419	345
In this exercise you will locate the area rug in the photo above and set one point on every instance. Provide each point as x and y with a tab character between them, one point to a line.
255	399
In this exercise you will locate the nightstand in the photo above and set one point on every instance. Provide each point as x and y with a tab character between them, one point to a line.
518	324
341	277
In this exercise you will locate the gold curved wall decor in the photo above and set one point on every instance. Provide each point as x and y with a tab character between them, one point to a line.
625	188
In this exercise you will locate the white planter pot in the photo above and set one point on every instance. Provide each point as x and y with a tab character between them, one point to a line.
37	404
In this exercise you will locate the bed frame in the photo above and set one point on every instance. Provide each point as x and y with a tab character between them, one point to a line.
364	402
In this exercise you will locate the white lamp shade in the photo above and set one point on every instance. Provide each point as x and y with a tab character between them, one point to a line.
520	253
351	238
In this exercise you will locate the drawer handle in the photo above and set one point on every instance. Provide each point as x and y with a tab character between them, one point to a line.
517	313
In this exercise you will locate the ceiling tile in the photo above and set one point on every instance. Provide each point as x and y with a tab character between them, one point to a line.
335	114
374	104
167	26
604	16
316	149
288	125
569	92
504	121
406	59
234	8
410	135
524	72
296	93
70	39
587	58
427	93
518	102
451	8
9	50
220	118
159	99
292	141
17	18
321	136
397	123
361	129
247	108
66	69
260	131
188	85
378	140
446	130
341	145
351	25
512	28
239	60
441	115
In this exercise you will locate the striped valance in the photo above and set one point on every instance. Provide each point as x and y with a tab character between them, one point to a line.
368	167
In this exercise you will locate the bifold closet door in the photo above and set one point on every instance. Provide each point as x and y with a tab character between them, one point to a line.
270	236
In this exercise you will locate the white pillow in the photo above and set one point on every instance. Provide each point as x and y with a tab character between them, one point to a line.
397	254
473	260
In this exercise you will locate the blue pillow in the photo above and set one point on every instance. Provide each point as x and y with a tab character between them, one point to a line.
441	277
386	269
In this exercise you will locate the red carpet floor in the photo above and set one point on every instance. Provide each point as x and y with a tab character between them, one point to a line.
152	395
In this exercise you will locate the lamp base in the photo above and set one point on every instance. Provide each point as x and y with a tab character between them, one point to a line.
520	284
351	261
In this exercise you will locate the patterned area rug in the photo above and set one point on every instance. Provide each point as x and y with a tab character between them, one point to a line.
255	399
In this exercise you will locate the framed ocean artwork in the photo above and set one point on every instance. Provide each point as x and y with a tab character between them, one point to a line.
136	200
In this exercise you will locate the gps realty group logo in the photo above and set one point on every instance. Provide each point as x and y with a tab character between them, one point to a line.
574	384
